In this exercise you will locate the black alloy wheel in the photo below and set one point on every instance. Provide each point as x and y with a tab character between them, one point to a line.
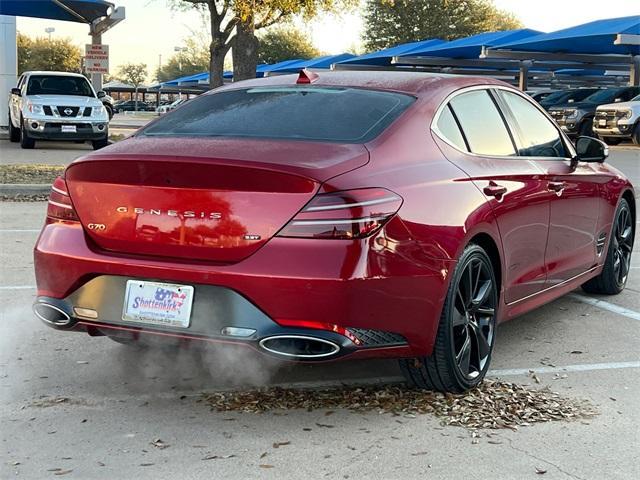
473	318
615	272
466	332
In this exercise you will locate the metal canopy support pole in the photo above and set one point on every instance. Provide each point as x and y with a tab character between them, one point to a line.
523	80
8	64
96	29
96	78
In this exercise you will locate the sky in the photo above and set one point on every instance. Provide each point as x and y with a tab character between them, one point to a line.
152	29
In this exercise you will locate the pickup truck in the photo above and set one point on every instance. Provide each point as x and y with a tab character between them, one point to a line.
615	122
57	106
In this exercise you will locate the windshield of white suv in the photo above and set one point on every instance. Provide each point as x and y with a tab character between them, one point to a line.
59	85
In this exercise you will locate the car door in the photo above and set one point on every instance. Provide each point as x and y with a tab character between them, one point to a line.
483	148
572	189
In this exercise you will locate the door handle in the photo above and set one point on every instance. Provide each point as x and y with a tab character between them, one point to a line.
494	190
557	187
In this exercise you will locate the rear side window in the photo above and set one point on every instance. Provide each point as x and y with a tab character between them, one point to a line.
58	85
536	136
449	130
342	115
482	124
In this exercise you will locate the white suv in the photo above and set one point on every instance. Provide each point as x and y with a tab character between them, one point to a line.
616	121
57	106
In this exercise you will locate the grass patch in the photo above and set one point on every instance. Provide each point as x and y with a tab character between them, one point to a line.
37	173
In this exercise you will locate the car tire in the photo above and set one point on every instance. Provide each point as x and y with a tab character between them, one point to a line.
611	140
635	137
615	272
466	332
98	144
25	141
586	128
14	133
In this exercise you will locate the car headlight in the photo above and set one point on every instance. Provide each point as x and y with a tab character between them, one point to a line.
100	110
35	108
571	113
623	114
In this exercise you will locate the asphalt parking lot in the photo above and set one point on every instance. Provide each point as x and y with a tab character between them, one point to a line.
88	408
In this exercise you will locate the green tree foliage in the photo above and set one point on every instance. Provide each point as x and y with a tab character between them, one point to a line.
392	22
283	44
57	54
233	23
133	73
195	59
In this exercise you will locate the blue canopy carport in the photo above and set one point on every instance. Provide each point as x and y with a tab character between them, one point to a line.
609	44
320	63
383	58
83	11
100	15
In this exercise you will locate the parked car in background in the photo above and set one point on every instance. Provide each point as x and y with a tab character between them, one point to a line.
567	96
170	106
56	106
576	119
302	218
539	95
130	106
615	122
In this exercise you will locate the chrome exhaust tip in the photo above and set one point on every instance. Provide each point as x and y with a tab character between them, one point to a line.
51	314
299	346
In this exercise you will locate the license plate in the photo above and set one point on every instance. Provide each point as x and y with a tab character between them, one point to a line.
602	122
68	129
155	303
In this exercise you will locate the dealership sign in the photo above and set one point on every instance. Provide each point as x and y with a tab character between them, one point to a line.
96	58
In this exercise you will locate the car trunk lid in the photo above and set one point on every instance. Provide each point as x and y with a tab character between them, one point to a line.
216	200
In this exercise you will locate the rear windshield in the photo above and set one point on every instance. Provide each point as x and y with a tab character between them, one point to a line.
58	85
342	115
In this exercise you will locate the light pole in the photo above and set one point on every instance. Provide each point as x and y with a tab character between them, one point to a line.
49	30
180	50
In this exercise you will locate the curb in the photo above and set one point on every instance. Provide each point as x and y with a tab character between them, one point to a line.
25	189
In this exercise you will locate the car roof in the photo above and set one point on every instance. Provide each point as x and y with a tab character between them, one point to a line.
61	74
412	83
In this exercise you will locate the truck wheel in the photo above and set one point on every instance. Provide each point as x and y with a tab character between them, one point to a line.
14	133
98	144
25	141
636	134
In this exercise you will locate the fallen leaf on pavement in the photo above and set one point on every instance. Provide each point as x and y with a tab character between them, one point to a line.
159	444
62	472
540	471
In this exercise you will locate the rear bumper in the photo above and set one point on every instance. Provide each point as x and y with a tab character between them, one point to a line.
288	287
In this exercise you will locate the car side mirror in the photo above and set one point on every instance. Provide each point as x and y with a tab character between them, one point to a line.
592	150
101	94
16	91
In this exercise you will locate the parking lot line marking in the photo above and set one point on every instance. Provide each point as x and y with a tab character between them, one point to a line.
18	287
589	367
19	230
606	306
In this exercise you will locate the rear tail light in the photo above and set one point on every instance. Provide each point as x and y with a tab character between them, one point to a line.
60	206
345	215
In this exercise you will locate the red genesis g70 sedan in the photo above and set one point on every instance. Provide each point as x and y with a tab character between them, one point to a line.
338	215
